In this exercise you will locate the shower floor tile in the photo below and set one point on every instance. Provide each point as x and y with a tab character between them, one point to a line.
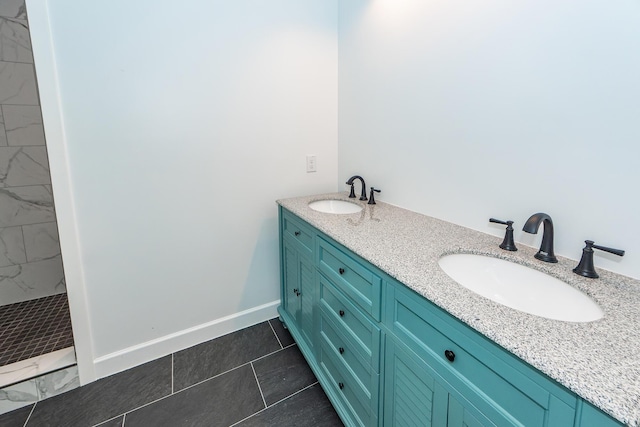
32	328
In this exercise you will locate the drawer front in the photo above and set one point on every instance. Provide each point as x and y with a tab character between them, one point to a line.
358	282
344	348
363	334
295	230
360	399
501	388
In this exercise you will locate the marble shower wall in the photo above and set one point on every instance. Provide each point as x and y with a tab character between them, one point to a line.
30	261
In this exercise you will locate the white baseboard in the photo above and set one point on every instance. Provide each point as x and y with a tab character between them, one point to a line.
163	346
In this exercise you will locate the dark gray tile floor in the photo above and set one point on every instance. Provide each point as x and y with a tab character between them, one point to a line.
252	377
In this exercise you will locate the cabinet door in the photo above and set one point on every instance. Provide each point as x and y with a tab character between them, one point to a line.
499	385
415	396
412	396
291	285
298	290
460	416
307	288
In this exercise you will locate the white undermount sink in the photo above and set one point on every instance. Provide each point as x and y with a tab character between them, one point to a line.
335	206
520	287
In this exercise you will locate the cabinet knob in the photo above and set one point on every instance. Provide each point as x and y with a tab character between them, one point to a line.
450	355
341	270
297	292
341	313
297	233
341	350
341	385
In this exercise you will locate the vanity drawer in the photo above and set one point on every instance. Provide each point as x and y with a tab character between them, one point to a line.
295	230
354	325
360	398
331	336
498	384
358	282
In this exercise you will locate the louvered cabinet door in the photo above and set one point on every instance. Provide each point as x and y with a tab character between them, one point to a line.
412	396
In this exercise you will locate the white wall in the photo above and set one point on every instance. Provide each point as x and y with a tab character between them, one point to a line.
465	110
172	130
180	125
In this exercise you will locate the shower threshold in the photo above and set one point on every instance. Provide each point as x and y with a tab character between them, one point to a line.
36	366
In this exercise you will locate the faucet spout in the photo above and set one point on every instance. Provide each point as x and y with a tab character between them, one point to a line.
363	193
532	225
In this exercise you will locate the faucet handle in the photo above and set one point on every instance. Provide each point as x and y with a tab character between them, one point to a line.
371	199
585	267
507	244
618	252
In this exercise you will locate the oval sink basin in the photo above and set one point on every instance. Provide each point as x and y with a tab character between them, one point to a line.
335	206
520	287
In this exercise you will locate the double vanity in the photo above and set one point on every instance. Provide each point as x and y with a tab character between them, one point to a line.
396	341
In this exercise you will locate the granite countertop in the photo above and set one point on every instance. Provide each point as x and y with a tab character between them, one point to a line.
599	361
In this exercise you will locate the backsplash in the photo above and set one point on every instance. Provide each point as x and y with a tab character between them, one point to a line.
30	260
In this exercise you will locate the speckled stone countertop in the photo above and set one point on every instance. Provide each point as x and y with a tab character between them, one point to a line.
599	361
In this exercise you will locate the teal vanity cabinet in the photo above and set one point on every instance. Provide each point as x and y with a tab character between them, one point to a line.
486	385
386	356
298	277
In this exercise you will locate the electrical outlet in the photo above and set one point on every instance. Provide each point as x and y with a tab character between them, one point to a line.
311	164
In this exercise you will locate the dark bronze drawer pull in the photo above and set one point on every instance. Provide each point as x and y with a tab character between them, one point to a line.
341	313
341	270
341	350
450	355
297	233
341	385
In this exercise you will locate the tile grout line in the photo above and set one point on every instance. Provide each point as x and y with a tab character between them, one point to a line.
30	413
171	393
232	369
293	394
259	388
274	333
124	419
110	419
274	404
186	388
267	355
196	384
210	378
